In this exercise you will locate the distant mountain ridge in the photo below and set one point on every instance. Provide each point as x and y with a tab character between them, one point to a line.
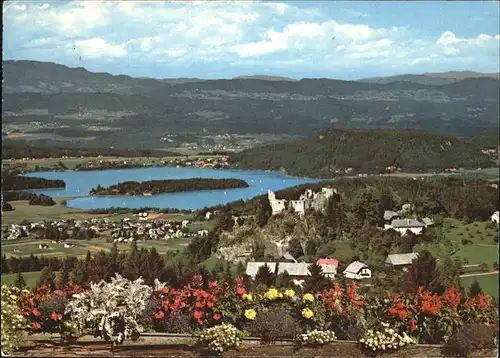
433	79
265	78
55	102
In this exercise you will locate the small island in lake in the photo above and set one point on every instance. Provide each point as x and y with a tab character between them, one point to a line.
154	187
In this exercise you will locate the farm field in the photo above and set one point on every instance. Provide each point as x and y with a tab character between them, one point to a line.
24	211
71	163
31	278
34	213
481	247
28	247
488	283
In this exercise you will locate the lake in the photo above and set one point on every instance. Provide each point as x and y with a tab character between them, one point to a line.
79	184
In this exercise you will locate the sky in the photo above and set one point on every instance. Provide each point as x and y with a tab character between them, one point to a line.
222	39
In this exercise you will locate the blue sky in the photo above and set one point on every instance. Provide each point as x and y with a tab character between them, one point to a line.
216	39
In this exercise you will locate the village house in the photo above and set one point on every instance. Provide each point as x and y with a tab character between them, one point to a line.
401	261
329	267
494	217
403	226
357	271
308	200
390	215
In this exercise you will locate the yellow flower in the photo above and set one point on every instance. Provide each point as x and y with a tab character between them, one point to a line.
289	293
13	297
308	297
248	297
307	313
250	314
271	294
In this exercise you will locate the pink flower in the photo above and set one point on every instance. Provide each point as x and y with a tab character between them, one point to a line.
159	315
36	313
217	317
35	325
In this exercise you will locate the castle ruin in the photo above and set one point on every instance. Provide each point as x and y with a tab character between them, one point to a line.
308	200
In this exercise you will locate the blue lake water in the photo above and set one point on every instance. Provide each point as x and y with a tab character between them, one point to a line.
79	184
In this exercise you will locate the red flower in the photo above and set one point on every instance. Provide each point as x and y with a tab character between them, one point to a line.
197	314
212	284
217	316
56	316
35	312
35	325
402	314
159	315
413	324
240	290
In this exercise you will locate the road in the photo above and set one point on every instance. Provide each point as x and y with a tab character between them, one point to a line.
480	274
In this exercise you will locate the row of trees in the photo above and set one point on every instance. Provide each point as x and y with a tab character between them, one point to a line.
169	186
177	269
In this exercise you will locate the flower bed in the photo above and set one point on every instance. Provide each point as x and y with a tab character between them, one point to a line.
122	309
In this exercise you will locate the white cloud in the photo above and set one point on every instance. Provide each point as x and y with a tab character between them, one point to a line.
98	48
234	34
21	7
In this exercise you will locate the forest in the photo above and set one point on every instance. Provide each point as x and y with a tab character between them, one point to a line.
18	182
364	151
169	186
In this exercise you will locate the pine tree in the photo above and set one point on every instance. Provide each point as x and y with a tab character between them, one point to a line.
317	281
5	265
295	248
20	283
264	212
264	276
47	277
64	279
423	272
475	289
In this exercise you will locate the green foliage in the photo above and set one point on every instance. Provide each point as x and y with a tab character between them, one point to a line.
469	338
264	276
422	273
274	324
20	283
475	289
47	277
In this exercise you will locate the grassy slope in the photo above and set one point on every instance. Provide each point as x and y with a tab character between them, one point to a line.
482	249
488	283
30	278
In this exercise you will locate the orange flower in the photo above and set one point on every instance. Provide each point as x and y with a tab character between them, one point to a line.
413	325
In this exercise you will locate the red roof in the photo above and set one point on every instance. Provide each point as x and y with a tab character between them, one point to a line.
333	262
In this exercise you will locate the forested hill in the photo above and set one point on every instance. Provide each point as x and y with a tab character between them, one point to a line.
365	151
46	101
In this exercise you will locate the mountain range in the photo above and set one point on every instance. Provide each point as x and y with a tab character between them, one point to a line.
55	102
